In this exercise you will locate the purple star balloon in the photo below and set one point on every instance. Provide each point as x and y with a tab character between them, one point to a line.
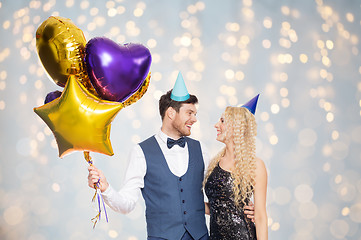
51	96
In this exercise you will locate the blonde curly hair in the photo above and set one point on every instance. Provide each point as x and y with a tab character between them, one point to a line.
242	126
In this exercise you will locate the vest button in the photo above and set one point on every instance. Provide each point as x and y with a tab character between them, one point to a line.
183	201
181	189
185	212
185	223
180	179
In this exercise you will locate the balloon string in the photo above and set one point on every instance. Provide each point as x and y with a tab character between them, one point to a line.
96	194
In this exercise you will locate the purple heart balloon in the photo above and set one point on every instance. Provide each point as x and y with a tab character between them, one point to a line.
116	71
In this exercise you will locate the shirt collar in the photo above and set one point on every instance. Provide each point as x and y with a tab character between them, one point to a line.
162	136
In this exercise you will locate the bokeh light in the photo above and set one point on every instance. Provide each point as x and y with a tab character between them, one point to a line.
303	57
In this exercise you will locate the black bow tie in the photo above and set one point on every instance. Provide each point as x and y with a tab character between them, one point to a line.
171	142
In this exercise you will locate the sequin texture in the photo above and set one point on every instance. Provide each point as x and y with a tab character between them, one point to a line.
226	221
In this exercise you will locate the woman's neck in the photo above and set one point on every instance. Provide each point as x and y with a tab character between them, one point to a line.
229	152
227	160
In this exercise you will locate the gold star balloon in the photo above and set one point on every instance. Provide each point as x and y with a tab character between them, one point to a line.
79	120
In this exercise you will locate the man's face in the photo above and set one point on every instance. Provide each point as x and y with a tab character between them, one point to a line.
184	119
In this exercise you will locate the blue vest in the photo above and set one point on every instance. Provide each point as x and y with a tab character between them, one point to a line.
173	204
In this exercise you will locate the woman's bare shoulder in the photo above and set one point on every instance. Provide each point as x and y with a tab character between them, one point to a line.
260	165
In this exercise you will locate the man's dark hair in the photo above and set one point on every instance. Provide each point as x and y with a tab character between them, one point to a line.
165	102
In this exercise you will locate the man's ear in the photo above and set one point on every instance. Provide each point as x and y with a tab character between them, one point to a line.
170	113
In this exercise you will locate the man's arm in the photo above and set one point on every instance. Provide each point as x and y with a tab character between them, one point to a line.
249	211
206	157
123	201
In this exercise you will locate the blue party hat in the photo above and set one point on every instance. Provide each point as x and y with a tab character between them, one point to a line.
252	104
179	92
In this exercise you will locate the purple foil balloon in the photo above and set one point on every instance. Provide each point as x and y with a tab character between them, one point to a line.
116	71
51	96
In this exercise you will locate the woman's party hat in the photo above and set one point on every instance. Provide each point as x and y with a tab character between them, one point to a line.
252	104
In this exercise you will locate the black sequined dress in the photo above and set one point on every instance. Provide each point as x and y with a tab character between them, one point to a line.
227	222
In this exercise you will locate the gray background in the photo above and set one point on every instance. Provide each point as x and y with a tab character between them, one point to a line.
302	56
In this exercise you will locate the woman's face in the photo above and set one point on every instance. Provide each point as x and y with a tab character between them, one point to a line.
221	130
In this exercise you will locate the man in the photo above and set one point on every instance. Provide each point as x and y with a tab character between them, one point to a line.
168	168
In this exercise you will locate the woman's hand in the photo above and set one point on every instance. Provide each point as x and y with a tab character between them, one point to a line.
97	177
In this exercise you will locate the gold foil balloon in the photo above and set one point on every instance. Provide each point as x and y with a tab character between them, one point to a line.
139	93
79	120
61	48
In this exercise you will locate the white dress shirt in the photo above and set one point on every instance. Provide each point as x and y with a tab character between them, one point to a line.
177	158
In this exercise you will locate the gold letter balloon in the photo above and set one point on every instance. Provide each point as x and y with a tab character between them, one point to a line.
61	48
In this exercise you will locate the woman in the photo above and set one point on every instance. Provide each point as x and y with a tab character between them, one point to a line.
234	176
